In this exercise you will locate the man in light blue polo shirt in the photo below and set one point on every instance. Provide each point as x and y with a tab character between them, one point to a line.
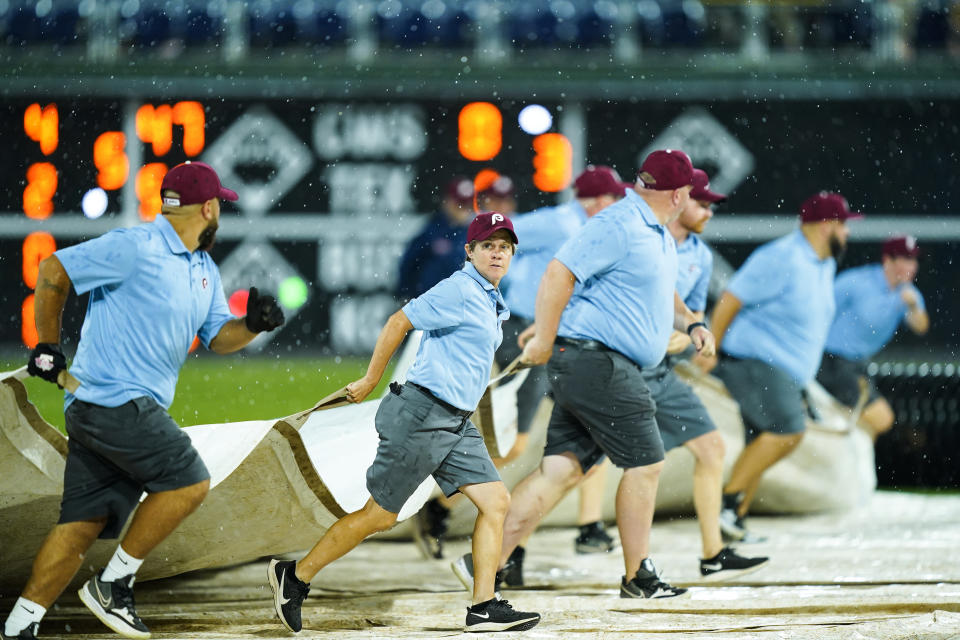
872	302
772	324
152	289
619	276
425	428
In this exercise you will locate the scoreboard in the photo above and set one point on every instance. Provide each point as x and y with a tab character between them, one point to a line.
329	191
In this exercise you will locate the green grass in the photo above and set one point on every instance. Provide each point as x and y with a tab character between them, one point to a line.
232	388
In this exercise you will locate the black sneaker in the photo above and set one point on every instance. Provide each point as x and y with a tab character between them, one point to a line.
513	570
728	564
647	584
30	633
732	526
463	569
288	592
112	602
594	538
498	615
429	528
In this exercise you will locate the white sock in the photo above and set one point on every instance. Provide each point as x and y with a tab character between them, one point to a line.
122	564
25	613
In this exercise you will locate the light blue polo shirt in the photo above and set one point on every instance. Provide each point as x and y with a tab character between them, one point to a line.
149	297
868	312
693	275
625	263
461	318
787	296
543	231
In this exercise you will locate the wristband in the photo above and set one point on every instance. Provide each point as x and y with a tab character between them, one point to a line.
694	325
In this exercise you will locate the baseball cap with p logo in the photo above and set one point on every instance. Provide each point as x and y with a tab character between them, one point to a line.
599	180
901	247
826	206
486	224
193	183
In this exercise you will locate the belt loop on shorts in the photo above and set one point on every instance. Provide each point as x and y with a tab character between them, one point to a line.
463	413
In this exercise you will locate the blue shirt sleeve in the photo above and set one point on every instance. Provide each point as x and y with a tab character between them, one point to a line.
697	298
440	307
761	278
109	259
600	244
219	313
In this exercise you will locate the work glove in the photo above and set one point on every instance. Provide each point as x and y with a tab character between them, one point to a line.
263	312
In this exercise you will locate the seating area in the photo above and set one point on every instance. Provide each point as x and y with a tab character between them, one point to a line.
724	25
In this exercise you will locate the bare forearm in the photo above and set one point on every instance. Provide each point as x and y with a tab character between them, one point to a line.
918	320
392	334
232	336
723	314
53	286
556	288
682	316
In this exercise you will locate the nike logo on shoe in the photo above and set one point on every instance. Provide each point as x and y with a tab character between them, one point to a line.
283	577
96	587
712	567
480	615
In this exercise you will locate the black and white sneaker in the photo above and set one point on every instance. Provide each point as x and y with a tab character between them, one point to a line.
513	570
30	633
429	528
594	538
112	602
733	528
289	592
729	564
463	569
498	615
647	584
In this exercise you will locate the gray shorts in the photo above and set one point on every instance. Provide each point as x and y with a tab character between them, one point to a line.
533	390
601	406
769	398
421	437
680	414
840	376
114	454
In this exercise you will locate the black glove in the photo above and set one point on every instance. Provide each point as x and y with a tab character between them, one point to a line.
263	312
46	361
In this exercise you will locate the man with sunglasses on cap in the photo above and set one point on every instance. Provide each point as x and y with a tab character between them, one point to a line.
434	253
681	416
872	302
605	308
425	427
152	289
771	325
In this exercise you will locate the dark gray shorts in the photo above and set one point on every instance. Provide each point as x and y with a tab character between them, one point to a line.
535	387
116	453
839	376
419	437
680	414
601	406
769	398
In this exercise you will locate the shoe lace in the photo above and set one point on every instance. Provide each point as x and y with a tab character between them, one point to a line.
123	596
300	590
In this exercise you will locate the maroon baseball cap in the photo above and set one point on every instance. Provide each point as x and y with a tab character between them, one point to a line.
486	224
901	247
461	190
194	182
665	170
826	206
701	188
599	180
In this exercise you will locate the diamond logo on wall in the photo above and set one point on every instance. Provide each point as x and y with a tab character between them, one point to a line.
256	263
707	142
260	159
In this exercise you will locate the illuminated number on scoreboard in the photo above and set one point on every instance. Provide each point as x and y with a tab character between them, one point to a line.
40	189
36	247
43	126
155	126
111	161
553	162
149	179
480	131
